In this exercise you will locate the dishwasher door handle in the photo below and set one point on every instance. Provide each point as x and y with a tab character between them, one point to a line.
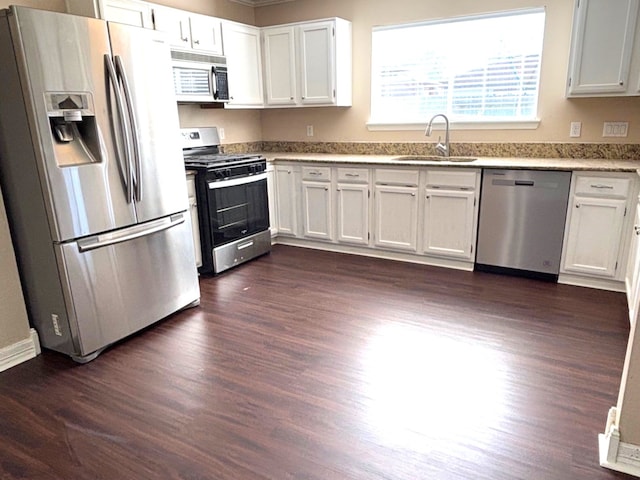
524	183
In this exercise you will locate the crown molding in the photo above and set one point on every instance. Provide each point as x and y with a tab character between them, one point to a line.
259	3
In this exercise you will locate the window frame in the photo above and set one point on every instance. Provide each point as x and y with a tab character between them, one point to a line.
501	123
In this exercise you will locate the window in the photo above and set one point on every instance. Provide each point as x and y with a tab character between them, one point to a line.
474	69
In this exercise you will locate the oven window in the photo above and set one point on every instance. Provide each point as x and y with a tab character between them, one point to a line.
238	211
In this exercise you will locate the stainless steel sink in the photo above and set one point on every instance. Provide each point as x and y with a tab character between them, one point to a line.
434	158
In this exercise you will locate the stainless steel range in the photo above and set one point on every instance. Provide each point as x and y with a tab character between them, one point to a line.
233	206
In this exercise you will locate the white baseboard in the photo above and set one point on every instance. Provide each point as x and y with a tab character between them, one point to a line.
465	265
590	282
617	455
19	352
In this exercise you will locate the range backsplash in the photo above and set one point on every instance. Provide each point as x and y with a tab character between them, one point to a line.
609	151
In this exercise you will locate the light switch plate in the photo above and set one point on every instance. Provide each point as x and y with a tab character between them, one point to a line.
615	129
309	130
576	128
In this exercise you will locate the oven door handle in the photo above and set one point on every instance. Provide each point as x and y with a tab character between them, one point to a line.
237	181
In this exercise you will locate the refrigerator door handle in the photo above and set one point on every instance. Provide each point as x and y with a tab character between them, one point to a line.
137	231
134	127
124	130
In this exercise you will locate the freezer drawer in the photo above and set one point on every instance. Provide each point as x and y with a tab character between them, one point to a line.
123	282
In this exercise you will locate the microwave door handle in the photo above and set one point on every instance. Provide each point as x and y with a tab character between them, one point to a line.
137	180
214	83
124	130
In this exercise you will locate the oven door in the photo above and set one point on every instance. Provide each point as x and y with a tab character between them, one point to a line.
237	208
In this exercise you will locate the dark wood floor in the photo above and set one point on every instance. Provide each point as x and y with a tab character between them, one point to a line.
313	365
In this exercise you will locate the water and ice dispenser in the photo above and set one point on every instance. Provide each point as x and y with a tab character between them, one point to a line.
73	128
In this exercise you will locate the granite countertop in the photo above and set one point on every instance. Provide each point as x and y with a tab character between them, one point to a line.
603	165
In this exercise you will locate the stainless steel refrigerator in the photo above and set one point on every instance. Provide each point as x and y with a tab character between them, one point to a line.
93	178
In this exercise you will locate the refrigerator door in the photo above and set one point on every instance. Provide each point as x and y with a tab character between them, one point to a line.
81	170
143	62
112	296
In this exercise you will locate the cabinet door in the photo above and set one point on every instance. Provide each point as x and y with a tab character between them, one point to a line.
317	63
206	34
128	12
195	223
353	213
396	217
175	23
271	193
601	46
286	200
593	241
244	64
448	223
632	276
279	65
316	204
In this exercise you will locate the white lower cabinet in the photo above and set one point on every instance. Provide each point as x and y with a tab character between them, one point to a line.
352	205
450	213
594	244
273	201
396	217
287	183
632	277
316	207
353	213
449	217
193	211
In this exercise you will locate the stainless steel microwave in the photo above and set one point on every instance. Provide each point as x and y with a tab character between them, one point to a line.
199	78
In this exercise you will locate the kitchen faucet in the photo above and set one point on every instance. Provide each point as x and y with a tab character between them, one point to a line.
442	149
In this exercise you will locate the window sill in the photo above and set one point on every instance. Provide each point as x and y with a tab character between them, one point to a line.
478	125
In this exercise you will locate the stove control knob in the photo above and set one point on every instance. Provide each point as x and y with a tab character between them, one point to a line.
219	174
227	172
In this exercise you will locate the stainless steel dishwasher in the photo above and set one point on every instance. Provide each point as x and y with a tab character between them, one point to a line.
521	226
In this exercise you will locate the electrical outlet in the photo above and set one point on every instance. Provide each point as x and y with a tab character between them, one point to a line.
309	130
615	129
221	133
575	130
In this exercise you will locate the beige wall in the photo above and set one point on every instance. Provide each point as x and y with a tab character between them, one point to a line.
14	326
349	124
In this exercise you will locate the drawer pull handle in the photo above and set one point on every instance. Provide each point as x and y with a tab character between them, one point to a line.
600	185
352	175
315	173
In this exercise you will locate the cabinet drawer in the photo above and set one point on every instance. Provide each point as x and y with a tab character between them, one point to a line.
316	173
397	177
602	186
458	179
353	175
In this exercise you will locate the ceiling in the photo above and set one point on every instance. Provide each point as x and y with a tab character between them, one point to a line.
260	3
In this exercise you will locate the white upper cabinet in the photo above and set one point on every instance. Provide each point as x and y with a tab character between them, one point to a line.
189	31
279	65
603	49
317	64
129	12
244	63
308	63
